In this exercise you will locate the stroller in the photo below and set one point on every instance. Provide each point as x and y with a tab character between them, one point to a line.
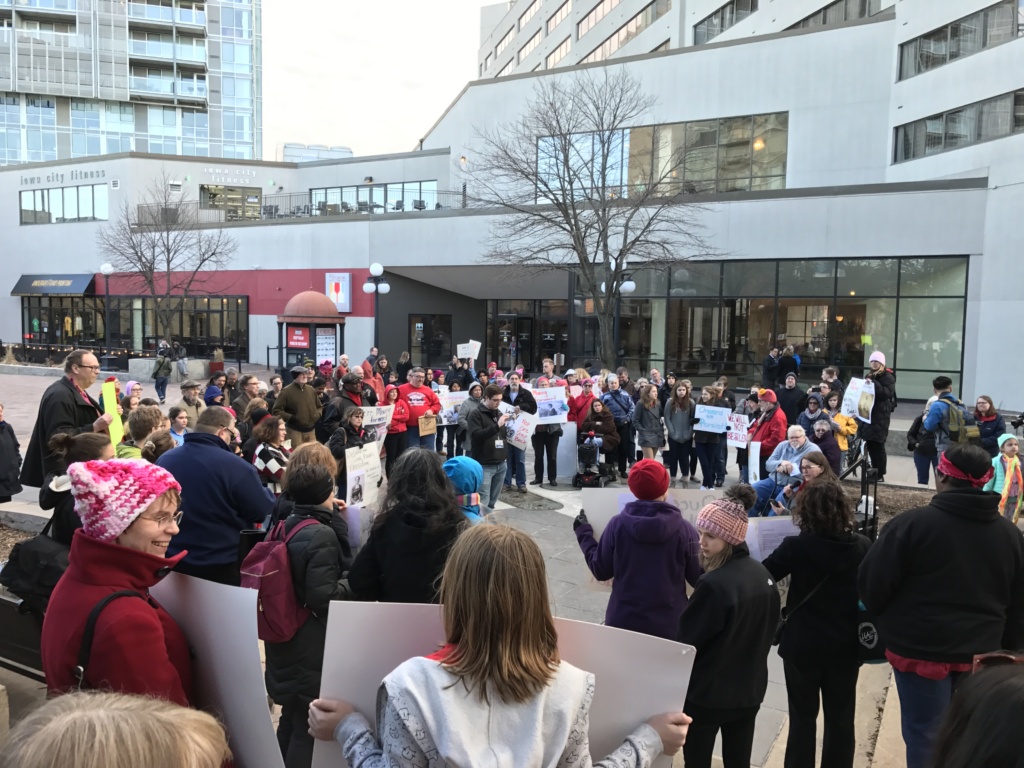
591	470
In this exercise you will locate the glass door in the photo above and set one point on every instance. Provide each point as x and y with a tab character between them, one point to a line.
508	341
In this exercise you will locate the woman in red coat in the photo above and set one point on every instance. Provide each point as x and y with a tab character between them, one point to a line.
770	428
579	406
129	512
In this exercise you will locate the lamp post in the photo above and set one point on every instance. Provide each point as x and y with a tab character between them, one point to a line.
107	269
376	283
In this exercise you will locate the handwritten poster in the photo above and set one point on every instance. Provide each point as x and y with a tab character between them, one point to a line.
116	428
470	350
712	419
858	399
738	434
362	467
376	421
450	404
552	405
525	425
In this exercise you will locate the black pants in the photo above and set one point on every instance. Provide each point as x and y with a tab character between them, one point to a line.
625	446
545	442
837	684
879	461
394	446
446	439
693	460
293	733
737	727
678	456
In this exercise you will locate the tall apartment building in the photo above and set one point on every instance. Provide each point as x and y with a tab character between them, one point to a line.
92	77
532	35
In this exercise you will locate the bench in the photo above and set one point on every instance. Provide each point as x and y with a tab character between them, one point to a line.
19	641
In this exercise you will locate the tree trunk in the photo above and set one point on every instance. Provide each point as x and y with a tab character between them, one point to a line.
606	333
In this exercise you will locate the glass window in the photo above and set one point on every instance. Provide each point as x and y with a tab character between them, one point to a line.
863	326
868	277
650	282
734	154
100	204
1001	24
85	202
641	331
933	277
747	333
965	36
692	334
701	161
930	334
806	278
694	278
71	203
749	278
770	144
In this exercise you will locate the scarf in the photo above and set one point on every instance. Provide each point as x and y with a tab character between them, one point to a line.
949	469
1012	479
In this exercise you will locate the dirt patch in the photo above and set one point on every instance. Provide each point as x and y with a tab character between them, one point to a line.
8	538
528	501
892	499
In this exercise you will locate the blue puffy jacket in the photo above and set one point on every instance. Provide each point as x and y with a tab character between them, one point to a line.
619	404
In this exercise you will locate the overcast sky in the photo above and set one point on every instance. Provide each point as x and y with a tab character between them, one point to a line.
373	76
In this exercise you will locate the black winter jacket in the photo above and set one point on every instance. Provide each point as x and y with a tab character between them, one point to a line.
10	461
56	495
484	434
524	399
885	396
61	409
319	556
920	440
823	630
334	412
789	402
770	372
403	559
787	365
731	621
946	581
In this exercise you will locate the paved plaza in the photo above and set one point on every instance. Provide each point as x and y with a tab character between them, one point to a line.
567	583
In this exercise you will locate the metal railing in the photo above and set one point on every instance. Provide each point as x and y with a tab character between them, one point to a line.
165	13
166	86
298	205
49	5
158	49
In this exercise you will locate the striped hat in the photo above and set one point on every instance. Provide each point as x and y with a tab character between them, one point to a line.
725	519
109	495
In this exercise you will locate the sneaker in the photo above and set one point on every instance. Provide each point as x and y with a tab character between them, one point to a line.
522	489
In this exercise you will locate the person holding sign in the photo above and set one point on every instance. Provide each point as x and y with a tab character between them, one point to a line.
707	442
876	431
485	434
500	664
545	438
520	398
422	402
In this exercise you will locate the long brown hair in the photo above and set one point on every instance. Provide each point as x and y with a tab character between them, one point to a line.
680	403
649	396
496	613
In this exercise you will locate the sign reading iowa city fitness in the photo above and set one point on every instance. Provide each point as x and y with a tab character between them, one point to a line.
63	177
298	338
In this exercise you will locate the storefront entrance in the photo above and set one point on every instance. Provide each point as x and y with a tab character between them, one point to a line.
525	332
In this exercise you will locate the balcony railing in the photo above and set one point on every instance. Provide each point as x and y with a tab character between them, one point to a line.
164	13
191	53
293	206
188	16
167	87
157	49
195	89
49	5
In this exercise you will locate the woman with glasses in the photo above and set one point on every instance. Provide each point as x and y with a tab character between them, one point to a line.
129	511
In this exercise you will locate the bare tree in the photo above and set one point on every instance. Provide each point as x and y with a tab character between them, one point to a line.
584	192
159	241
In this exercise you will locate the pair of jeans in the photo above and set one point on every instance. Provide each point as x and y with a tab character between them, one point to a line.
545	442
767	489
490	486
394	446
416	440
923	703
293	732
161	387
879	460
678	458
736	725
707	454
923	464
837	686
516	460
446	440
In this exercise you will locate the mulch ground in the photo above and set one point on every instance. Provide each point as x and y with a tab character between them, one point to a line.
8	538
891	499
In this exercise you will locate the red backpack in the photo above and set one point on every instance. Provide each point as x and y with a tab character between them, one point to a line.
266	569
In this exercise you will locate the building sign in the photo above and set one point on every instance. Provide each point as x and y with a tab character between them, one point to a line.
326	345
239	176
298	337
52	285
339	290
60	177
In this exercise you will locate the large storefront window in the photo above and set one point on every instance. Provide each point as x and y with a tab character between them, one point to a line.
430	340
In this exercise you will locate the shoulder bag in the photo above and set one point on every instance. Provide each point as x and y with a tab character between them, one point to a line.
787	611
85	650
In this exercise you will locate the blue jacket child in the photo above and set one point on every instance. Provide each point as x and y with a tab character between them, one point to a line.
650	551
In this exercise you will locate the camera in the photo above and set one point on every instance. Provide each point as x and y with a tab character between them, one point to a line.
1018	422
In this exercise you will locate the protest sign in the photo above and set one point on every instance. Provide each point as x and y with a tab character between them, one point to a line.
376	421
450	404
636	676
116	428
362	468
859	399
575	390
470	350
552	406
754	462
566	452
712	419
220	624
524	426
765	534
738	435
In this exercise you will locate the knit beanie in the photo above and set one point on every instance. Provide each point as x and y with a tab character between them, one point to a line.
109	495
725	519
877	357
1003	438
212	391
767	396
258	415
648	480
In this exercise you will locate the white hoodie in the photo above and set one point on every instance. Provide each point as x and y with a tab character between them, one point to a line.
426	717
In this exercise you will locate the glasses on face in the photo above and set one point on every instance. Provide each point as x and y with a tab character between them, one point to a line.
165	519
90	367
795	439
808	467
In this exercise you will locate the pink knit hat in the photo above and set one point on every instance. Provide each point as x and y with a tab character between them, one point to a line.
877	357
725	519
109	495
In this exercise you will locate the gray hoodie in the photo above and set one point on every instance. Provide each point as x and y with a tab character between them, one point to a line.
464	410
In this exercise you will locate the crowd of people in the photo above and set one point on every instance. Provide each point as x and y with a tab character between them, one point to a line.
944	584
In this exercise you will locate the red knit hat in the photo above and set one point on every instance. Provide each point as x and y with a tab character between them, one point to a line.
109	495
648	480
767	396
725	519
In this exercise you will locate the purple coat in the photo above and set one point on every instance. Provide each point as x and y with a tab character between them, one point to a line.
652	553
828	445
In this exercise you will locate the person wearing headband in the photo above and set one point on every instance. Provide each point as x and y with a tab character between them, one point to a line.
945	582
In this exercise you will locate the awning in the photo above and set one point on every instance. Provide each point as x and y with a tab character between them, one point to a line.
53	285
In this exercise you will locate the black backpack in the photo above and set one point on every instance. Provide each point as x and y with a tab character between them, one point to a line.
34	568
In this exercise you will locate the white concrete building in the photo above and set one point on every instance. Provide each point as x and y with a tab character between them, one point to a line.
884	217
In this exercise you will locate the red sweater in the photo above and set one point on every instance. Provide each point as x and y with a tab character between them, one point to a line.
770	432
420	400
578	408
137	647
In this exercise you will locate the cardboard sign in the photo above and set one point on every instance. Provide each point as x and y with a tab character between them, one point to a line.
859	399
754	462
428	425
469	350
712	419
362	470
110	403
451	402
220	624
636	676
552	405
298	338
738	435
525	425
